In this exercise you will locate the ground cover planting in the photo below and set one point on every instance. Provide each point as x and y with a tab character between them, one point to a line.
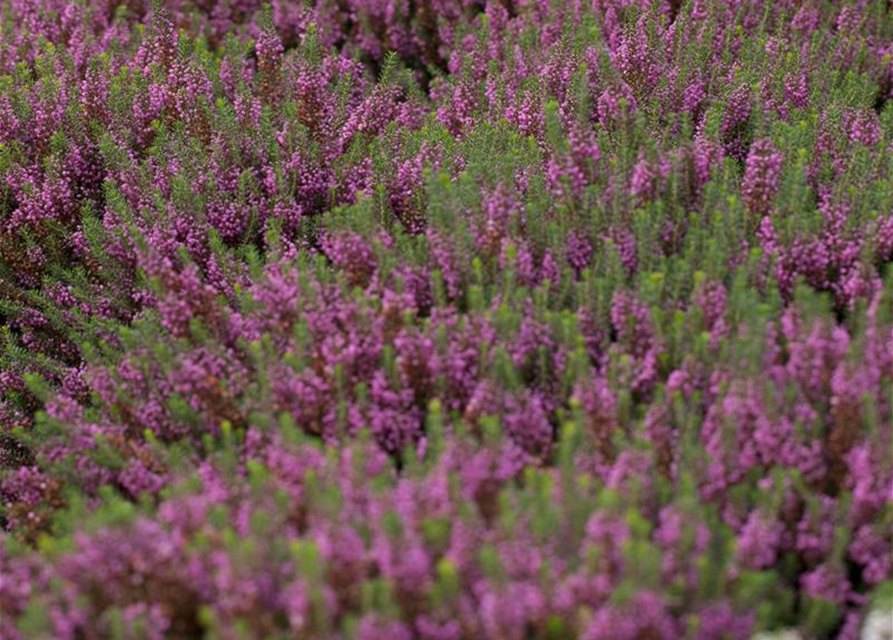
445	319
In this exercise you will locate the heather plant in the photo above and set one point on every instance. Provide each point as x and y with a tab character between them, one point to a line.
445	320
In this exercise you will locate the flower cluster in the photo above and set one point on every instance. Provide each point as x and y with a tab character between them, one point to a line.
445	320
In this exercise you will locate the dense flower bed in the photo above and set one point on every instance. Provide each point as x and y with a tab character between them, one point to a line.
445	319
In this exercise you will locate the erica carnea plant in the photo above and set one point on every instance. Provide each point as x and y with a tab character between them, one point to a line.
445	320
